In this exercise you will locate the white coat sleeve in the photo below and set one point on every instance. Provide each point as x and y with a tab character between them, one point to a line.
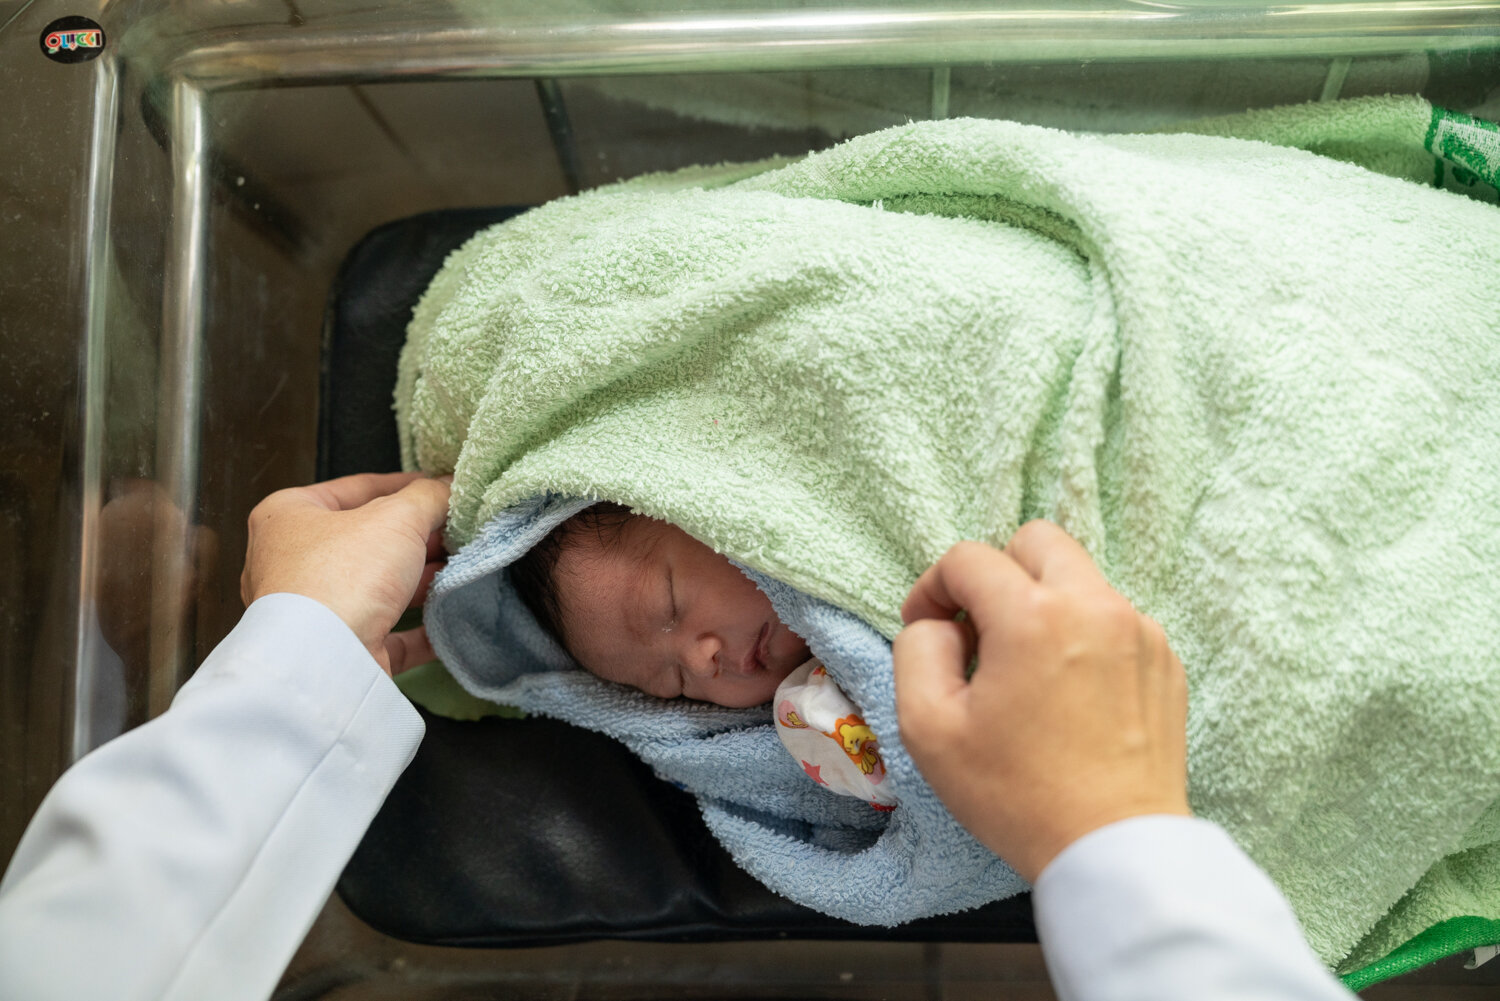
187	858
1163	908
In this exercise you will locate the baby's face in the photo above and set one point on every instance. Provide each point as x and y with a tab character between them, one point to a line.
660	611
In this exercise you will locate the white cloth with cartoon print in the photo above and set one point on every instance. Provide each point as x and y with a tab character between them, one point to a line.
827	735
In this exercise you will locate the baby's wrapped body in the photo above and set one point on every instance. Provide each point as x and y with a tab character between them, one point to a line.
1262	387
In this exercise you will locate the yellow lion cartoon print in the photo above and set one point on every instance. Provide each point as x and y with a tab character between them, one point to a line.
858	742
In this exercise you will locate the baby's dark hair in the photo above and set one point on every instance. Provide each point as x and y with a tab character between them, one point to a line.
533	575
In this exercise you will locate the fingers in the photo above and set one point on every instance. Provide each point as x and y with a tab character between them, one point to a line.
406	650
931	657
365	546
428	498
973	577
349	492
1049	554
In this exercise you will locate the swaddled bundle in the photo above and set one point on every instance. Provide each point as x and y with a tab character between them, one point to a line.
1261	386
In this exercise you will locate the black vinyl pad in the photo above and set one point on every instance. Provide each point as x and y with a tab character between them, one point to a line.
527	832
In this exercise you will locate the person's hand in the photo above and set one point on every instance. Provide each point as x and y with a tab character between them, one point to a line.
1075	715
366	546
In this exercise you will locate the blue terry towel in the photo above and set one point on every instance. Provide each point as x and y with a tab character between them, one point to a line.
832	853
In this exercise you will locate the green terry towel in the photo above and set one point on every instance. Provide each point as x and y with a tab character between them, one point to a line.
1262	386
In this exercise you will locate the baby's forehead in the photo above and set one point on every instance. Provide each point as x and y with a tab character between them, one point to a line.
618	553
605	589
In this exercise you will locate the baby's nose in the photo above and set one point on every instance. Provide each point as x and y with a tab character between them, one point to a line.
702	656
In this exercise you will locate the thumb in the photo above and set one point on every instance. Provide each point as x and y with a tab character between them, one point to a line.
427	501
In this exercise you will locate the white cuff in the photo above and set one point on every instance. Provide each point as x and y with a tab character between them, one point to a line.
1168	907
187	858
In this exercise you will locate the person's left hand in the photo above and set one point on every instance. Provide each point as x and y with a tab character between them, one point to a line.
366	546
1075	715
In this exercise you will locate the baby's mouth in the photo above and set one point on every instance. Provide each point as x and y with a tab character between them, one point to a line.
755	660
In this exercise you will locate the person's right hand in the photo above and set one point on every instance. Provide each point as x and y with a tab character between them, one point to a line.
1075	715
366	546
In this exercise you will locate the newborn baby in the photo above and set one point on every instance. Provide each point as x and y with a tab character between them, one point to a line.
640	602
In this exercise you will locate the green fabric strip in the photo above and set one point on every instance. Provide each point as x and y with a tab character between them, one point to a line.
1438	942
1469	144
